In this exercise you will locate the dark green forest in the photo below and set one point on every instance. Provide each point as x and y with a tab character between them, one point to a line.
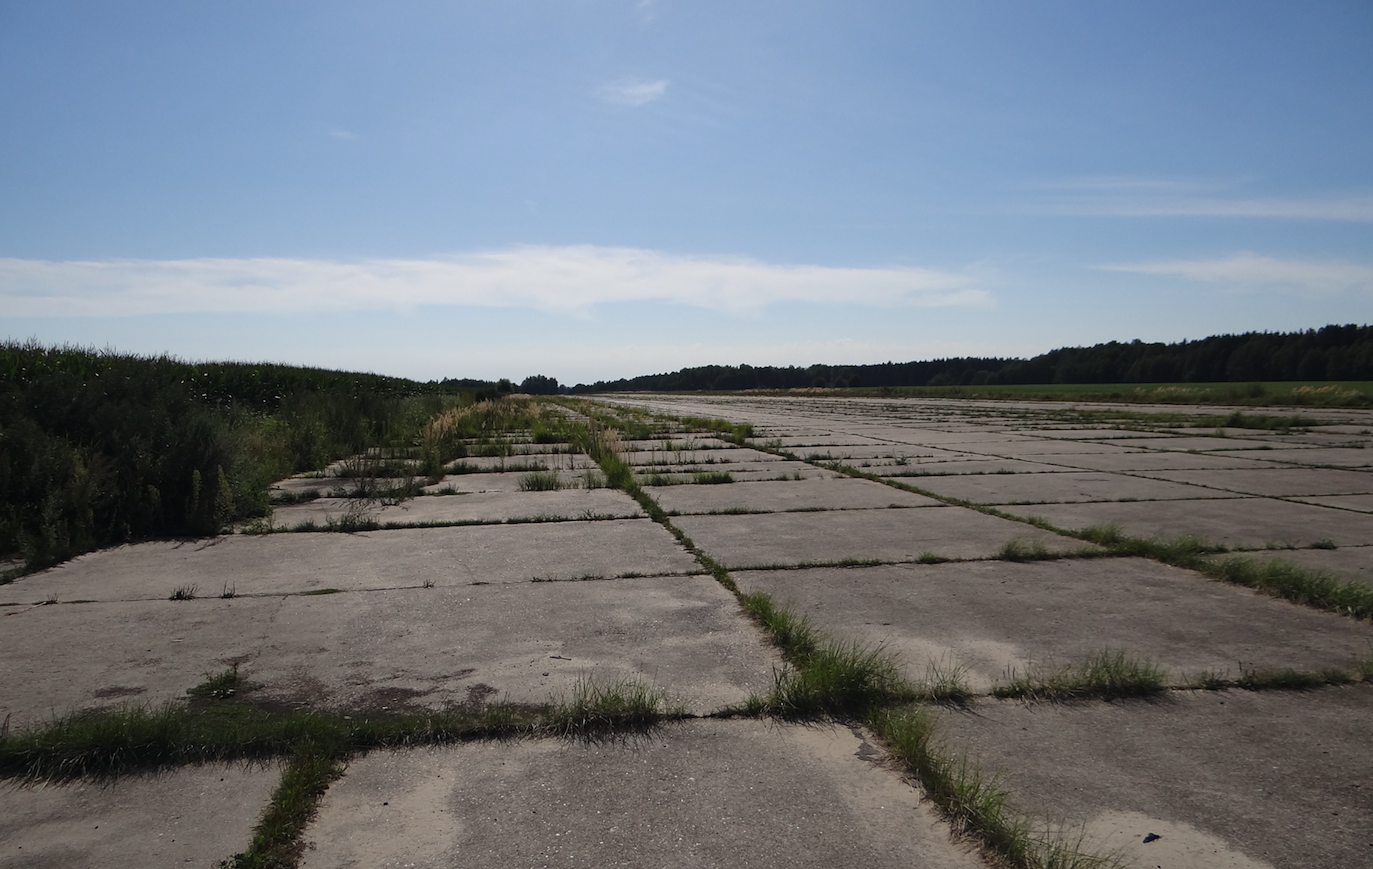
1329	353
102	448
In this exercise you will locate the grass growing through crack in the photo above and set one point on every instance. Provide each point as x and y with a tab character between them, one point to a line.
1106	675
709	478
828	678
1022	550
975	802
220	686
218	726
1296	583
540	481
1275	577
620	705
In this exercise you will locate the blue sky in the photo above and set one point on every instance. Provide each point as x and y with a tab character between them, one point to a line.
601	188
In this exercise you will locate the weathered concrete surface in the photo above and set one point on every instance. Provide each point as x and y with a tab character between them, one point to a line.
993	616
294	563
525	463
887	535
834	494
426	646
1279	777
497	482
1203	444
1154	461
706	458
1250	523
698	794
1040	447
473	507
1066	487
193	816
783	471
1277	482
1314	457
972	466
1358	503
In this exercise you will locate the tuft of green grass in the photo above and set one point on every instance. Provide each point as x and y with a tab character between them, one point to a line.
1299	584
709	478
220	686
540	481
1189	551
839	678
946	682
592	479
596	707
1364	667
797	638
184	592
1106	675
1019	549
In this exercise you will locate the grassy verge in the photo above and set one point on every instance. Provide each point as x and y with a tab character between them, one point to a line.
217	724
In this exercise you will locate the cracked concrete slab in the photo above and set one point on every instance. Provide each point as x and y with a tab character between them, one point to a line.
1357	503
994	616
1251	523
1277	482
561	504
295	563
425	647
1040	448
1066	487
701	793
524	463
706	458
497	482
1279	778
764	539
834	494
973	466
195	815
1153	461
1313	457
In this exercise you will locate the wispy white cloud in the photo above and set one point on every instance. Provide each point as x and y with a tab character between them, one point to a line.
633	92
346	135
571	279
1127	196
1250	270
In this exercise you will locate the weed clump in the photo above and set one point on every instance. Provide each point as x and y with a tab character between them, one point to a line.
1298	584
540	481
1105	676
620	705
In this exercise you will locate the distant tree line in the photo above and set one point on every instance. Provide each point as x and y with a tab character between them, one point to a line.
1329	353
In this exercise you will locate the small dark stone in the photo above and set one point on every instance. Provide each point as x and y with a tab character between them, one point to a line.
1151	837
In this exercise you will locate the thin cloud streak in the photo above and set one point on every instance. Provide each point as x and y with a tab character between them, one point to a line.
1252	270
559	279
633	92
